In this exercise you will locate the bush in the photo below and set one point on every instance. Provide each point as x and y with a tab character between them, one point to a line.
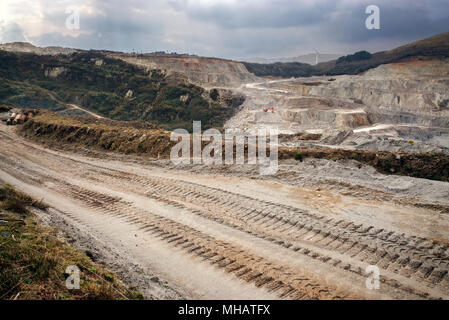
18	202
15	205
358	56
214	94
299	157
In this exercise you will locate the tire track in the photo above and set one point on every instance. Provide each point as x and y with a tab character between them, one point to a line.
413	257
285	281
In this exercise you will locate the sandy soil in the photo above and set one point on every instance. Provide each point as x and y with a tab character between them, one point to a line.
195	232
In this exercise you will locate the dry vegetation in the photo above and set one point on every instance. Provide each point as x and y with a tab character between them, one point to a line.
111	136
33	259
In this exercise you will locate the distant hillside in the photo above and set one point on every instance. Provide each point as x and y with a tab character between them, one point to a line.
109	87
282	70
203	71
436	46
30	48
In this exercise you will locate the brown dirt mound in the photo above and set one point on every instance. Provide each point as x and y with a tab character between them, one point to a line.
105	135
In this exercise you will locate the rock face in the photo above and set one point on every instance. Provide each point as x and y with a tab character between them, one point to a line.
415	86
337	118
54	72
207	72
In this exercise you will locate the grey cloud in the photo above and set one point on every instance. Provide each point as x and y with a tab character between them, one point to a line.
258	14
116	28
397	22
245	28
10	32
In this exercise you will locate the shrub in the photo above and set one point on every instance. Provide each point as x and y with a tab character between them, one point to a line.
358	56
214	94
299	156
18	202
15	205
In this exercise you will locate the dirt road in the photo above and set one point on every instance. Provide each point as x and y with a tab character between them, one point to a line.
183	233
74	106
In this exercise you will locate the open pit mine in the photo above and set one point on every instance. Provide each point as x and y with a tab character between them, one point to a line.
314	230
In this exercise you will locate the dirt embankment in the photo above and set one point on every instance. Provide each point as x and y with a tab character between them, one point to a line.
4	108
34	258
49	127
238	237
132	139
420	165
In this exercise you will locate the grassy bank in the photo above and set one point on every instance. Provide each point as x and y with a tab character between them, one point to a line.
119	137
33	260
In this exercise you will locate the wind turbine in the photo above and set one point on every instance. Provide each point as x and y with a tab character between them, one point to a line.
317	54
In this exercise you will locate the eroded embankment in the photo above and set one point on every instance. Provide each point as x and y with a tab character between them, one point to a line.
49	127
155	143
237	237
418	165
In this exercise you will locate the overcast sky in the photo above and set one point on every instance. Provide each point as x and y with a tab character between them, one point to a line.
223	28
